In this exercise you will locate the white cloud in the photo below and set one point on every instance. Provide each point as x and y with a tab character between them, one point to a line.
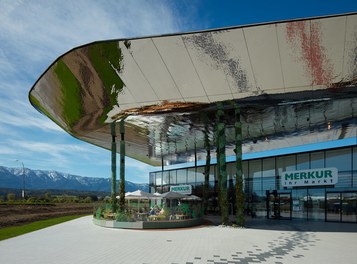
21	114
32	35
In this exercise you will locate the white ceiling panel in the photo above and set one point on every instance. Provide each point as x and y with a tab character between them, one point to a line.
291	40
238	69
125	97
133	78
350	54
329	40
178	62
154	70
210	61
264	55
220	97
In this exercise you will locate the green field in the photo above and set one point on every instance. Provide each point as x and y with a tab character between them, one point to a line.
14	231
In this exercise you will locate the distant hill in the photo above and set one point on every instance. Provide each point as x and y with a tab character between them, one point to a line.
41	179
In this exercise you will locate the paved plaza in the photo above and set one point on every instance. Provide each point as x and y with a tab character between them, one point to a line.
263	241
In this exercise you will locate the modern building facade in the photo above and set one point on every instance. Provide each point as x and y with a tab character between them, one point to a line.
266	193
176	98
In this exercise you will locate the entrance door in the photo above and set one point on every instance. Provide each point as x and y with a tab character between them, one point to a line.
279	205
341	206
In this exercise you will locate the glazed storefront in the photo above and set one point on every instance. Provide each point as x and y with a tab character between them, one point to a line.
318	185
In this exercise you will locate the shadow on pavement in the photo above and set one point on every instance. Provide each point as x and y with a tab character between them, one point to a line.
292	225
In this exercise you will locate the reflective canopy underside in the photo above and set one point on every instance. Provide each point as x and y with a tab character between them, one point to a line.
295	82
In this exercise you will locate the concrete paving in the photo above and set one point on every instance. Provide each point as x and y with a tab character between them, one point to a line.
263	241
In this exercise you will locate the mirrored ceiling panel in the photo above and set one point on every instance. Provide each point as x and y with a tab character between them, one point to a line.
295	82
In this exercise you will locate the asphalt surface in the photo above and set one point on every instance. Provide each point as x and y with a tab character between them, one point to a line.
262	241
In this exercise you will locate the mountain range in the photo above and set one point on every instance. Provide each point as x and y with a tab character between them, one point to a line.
42	179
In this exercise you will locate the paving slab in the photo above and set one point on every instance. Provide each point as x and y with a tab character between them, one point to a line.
80	241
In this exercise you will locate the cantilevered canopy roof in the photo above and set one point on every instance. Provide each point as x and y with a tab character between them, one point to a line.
295	82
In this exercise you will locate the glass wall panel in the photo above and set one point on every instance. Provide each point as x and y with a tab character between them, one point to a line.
173	175
152	178
317	160
231	171
200	177
191	176
316	204
354	166
286	163
299	203
181	176
344	179
340	159
255	175
212	176
269	177
212	173
245	169
165	177
303	161
245	176
333	207
349	207
158	181
269	167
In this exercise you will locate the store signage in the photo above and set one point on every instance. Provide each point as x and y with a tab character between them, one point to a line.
314	177
184	189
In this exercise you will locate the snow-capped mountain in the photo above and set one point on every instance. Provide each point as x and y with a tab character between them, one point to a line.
40	179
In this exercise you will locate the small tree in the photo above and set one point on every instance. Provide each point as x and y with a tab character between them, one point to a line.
88	199
48	197
11	197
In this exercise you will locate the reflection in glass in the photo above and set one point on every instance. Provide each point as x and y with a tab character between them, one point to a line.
255	175
303	161
269	174
354	166
316	204
181	176
349	207
285	205
299	203
286	163
317	160
333	206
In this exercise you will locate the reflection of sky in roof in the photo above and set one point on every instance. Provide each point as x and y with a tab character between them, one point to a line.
277	152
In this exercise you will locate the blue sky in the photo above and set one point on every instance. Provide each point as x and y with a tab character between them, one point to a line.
34	33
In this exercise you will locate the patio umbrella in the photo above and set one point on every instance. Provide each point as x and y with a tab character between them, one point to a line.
138	194
192	198
172	195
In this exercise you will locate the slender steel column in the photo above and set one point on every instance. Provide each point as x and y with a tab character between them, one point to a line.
208	164
114	168
221	163
122	166
239	175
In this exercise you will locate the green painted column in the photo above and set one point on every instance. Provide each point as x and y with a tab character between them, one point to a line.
221	163
239	175
114	167
122	167
208	164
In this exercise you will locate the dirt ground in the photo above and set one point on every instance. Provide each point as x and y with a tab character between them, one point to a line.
20	214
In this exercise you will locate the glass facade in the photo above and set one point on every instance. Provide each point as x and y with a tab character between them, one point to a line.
264	195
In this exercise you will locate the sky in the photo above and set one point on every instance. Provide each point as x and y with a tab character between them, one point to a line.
34	33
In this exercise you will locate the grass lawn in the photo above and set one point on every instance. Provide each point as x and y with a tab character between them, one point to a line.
14	231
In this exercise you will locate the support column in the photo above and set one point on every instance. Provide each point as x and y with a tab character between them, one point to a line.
114	168
208	164
122	167
239	175
221	163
